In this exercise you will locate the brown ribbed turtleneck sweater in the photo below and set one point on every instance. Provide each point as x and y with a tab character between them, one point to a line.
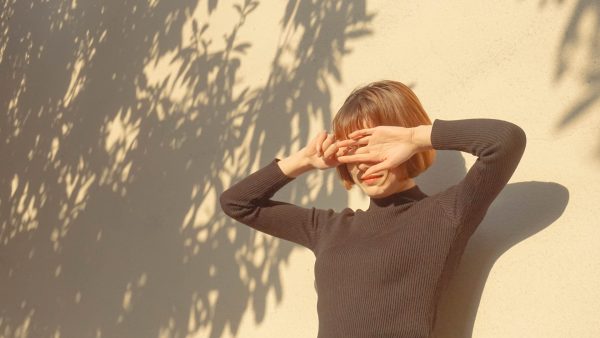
380	272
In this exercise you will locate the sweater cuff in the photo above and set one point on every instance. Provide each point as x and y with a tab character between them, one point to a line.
276	174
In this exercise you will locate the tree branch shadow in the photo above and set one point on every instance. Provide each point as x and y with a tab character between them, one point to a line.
110	222
574	40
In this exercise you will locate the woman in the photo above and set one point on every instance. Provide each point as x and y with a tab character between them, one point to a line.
380	272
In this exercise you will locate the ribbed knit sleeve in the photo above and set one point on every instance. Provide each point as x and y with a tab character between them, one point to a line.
249	202
498	145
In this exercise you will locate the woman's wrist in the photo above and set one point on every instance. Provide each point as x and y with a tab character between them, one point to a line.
295	164
421	137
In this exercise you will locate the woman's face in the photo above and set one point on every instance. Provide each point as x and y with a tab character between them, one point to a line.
386	182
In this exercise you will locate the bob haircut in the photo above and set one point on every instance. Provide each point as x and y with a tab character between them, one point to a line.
388	103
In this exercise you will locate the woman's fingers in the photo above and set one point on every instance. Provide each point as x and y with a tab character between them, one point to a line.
345	143
375	168
360	132
328	141
344	150
341	151
364	157
326	145
364	140
330	149
349	142
320	138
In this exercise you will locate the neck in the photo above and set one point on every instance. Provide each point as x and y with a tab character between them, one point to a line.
407	193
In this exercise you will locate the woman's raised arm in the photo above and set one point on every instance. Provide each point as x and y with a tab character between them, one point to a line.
249	200
498	145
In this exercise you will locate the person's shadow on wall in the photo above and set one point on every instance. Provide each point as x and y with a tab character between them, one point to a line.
520	211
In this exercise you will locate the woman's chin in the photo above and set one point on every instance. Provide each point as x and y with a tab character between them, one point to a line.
374	195
369	189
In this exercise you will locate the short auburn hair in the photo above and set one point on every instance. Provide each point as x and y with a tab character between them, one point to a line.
388	103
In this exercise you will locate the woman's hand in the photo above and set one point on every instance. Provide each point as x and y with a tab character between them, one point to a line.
389	146
322	151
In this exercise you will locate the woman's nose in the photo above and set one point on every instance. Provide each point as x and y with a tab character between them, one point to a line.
363	167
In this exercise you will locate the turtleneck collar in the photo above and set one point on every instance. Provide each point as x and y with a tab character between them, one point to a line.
397	198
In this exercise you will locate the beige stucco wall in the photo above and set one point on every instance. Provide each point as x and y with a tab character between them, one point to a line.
123	123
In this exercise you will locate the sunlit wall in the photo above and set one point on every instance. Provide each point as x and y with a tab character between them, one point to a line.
123	122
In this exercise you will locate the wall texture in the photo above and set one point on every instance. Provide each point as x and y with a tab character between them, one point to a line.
123	121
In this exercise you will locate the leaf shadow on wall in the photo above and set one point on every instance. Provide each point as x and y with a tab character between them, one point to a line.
520	211
581	37
110	220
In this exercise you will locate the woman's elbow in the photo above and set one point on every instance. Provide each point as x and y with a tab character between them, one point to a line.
227	204
521	137
236	208
517	137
